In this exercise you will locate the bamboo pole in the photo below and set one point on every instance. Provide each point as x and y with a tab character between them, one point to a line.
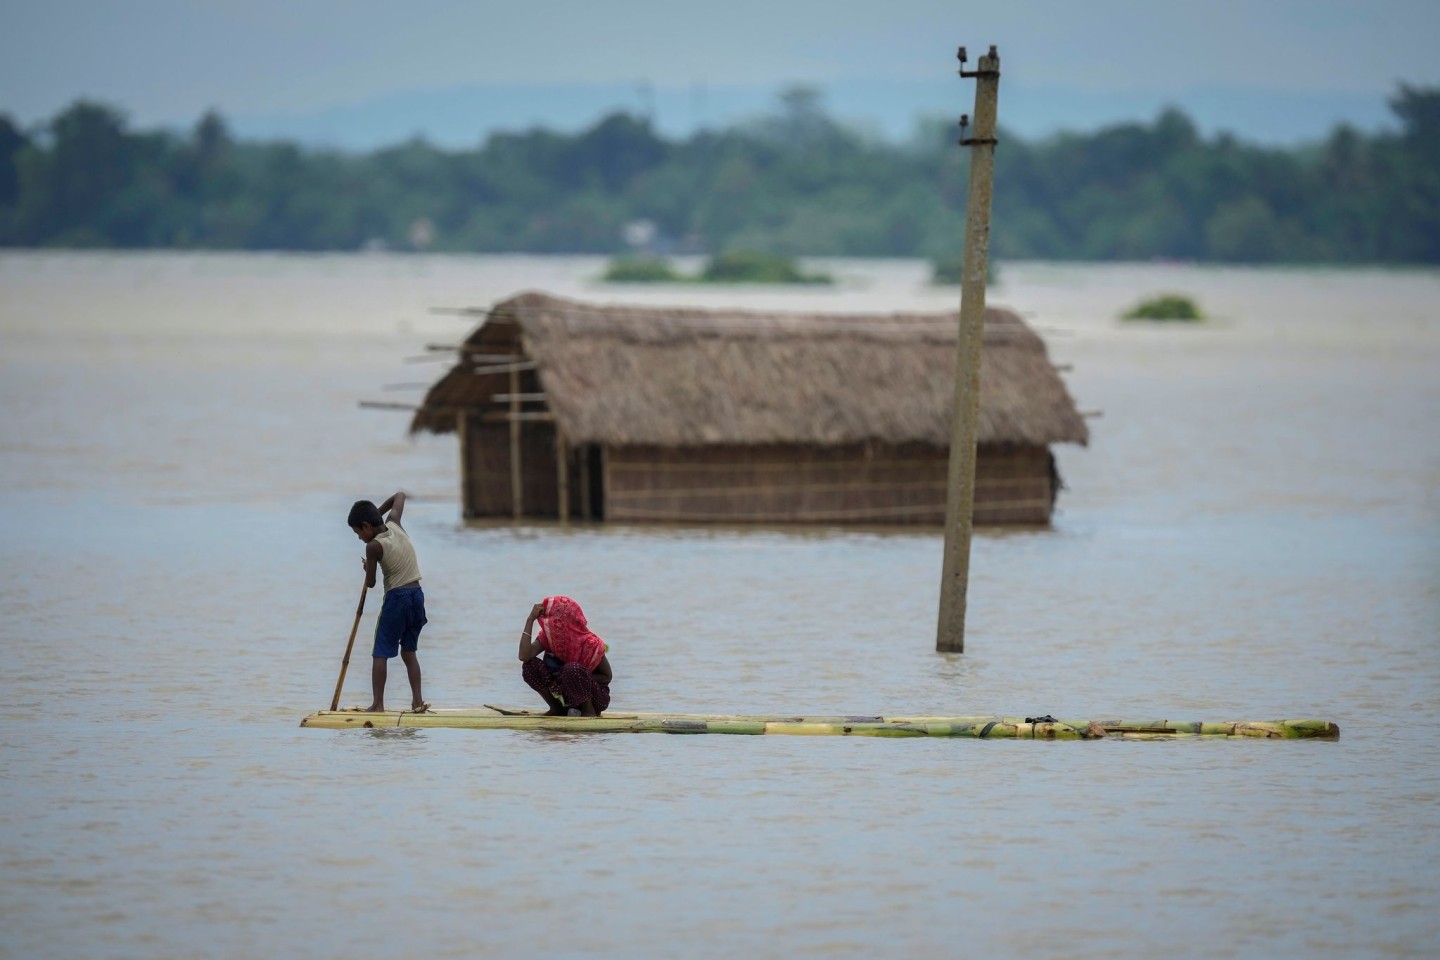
562	469
385	405
604	482
585	506
960	496
349	644
505	368
517	498
538	416
462	430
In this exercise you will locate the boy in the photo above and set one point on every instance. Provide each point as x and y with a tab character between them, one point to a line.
397	629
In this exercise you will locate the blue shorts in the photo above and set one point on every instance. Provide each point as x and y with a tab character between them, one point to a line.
401	617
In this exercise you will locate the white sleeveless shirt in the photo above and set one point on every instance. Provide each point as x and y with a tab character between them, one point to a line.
397	559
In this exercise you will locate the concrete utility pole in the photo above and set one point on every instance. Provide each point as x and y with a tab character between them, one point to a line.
960	493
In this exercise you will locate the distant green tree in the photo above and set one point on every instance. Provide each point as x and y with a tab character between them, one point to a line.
12	141
1244	230
1410	171
1419	111
614	152
67	190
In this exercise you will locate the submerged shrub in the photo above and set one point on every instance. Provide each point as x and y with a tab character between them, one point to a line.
751	266
949	272
640	270
1169	306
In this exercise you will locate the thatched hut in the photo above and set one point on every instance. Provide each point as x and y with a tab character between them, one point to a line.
568	409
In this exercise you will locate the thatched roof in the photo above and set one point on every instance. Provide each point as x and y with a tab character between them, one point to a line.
621	375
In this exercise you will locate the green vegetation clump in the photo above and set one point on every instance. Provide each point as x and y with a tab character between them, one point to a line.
738	266
949	272
641	270
946	273
1169	306
752	266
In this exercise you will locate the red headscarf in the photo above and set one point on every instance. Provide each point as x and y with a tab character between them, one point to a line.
565	633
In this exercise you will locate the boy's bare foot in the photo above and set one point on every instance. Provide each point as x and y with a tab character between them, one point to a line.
556	711
375	708
419	708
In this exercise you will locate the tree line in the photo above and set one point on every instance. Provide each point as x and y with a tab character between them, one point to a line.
793	182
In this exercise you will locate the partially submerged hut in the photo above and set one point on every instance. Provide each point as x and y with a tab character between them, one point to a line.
626	413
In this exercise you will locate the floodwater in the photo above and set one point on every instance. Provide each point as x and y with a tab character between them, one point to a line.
1253	533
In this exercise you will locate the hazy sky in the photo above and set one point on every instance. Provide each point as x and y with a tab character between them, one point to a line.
293	62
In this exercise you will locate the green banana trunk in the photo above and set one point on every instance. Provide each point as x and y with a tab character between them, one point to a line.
987	728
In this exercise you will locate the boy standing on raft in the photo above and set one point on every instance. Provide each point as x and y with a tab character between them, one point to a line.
402	615
574	667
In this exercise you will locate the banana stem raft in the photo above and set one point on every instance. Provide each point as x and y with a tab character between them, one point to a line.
983	728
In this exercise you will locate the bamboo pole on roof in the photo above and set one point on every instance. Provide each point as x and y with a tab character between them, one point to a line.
515	367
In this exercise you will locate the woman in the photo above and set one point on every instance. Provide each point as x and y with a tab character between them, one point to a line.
574	675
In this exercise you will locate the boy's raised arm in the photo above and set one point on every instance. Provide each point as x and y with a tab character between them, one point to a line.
395	505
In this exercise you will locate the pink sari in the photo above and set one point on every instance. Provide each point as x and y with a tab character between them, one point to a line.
565	633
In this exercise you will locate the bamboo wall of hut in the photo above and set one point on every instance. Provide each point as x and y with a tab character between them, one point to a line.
860	483
628	414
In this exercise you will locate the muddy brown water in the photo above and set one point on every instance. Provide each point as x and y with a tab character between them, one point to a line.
1251	534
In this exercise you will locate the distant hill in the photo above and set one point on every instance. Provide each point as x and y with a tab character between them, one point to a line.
790	181
461	117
